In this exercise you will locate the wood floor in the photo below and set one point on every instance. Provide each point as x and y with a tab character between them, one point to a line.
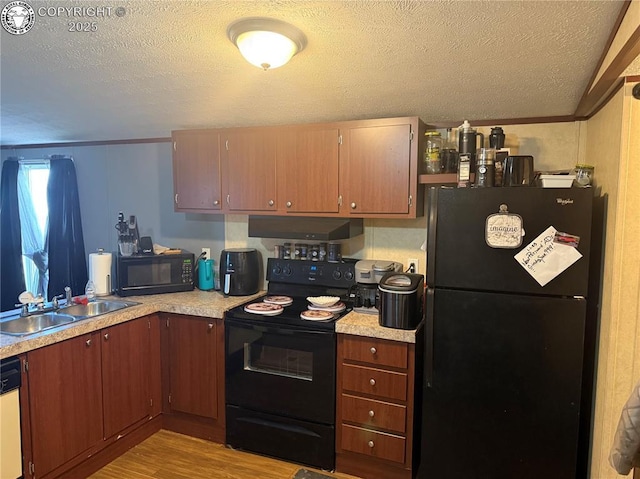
168	455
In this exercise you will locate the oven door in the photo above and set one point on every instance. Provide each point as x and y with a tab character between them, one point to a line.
281	370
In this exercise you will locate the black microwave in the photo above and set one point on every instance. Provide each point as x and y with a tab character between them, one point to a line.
154	274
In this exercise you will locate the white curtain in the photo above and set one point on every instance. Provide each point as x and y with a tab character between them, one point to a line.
34	248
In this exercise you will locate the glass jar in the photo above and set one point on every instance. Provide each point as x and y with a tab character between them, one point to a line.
584	175
432	152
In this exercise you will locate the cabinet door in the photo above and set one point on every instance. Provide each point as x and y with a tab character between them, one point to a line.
378	168
196	170
192	366
125	374
65	400
308	168
249	169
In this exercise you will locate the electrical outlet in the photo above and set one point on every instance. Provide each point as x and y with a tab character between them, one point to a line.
416	265
207	252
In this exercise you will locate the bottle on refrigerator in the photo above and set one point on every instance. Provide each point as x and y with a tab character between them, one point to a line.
450	152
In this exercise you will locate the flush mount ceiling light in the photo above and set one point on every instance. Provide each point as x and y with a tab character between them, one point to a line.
265	42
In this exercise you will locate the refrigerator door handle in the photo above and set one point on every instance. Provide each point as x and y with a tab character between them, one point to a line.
428	338
432	223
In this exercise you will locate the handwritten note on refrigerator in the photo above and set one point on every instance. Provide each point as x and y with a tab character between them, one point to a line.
544	258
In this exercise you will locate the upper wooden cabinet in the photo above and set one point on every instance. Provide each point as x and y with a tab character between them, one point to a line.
363	168
308	169
379	168
249	169
196	171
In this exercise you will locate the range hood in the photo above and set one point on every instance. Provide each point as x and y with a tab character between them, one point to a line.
303	227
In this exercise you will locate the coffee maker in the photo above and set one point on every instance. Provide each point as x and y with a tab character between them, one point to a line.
368	275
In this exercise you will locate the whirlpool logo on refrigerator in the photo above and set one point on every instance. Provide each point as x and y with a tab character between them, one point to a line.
564	201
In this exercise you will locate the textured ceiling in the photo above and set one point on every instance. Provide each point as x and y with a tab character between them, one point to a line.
168	65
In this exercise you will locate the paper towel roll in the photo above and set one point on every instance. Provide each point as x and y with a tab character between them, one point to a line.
100	272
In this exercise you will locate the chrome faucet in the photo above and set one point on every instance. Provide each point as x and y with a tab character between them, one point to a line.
27	302
68	295
55	301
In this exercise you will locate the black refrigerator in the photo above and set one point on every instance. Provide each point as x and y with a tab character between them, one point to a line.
504	356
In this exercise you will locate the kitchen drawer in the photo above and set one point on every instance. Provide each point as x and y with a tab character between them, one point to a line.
381	352
377	382
372	413
372	443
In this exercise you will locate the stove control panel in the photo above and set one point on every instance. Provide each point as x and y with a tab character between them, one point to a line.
304	272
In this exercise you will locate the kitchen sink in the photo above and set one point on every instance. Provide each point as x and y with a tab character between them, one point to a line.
38	322
35	323
94	308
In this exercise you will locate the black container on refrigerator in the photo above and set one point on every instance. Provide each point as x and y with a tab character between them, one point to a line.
469	140
505	358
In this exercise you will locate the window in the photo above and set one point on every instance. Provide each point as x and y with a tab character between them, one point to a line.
33	177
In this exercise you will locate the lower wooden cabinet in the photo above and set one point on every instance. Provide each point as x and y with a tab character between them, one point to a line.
375	407
65	402
126	377
82	394
193	376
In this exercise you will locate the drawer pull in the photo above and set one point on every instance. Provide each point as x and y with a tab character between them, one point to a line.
371	444
372	382
373	350
371	413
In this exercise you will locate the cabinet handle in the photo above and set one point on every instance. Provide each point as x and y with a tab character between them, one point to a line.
216	203
339	200
176	198
228	199
271	203
371	413
288	204
353	205
88	342
373	350
106	336
372	382
210	326
371	444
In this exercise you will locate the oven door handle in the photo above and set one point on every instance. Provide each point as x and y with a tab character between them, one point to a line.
273	330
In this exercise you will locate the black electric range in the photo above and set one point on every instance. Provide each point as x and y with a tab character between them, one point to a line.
280	371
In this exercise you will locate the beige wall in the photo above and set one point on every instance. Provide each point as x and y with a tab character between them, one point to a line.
613	146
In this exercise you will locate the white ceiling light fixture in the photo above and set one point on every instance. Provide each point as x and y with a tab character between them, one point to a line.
265	42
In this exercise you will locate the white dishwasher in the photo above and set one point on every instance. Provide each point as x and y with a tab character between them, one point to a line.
10	442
